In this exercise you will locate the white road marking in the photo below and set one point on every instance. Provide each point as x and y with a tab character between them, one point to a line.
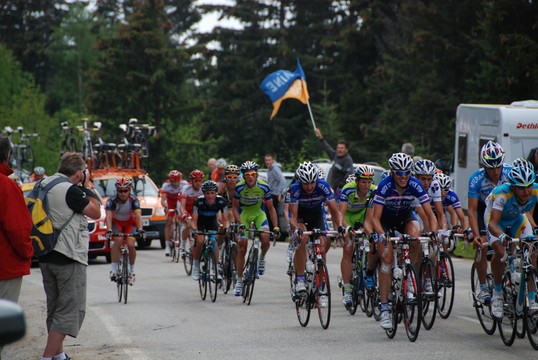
118	334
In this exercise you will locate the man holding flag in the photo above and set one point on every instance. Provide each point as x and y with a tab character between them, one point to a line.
342	162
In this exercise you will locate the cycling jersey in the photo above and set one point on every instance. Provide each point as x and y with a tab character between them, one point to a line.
172	193
480	185
313	202
190	194
356	208
207	214
513	214
452	199
396	204
123	211
251	202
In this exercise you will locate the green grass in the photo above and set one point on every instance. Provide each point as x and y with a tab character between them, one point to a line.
464	250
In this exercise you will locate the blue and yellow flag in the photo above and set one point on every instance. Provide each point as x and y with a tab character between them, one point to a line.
283	84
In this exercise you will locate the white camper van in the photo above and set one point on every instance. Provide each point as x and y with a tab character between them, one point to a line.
514	127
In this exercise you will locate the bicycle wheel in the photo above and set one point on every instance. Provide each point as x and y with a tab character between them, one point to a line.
303	303
212	275
531	315
412	302
483	311
293	280
119	280
187	259
323	294
445	286
252	273
174	247
125	276
507	324
202	281
429	299
394	310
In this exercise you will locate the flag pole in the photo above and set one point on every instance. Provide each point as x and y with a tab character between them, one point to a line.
310	111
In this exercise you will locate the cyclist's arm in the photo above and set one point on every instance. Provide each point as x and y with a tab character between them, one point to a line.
493	223
463	220
453	216
235	210
109	218
442	223
376	219
471	213
294	209
182	203
368	221
530	217
138	219
272	212
164	203
425	220
343	209
225	222
335	214
432	220
194	220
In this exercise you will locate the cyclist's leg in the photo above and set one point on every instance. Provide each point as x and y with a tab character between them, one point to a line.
412	228
115	251
299	258
263	224
242	245
347	252
168	232
482	265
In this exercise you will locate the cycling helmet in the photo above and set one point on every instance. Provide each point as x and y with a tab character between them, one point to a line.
350	178
197	174
124	183
364	172
221	163
445	181
231	169
249	166
209	186
521	176
424	167
492	155
174	175
384	174
39	170
321	173
307	173
522	162
400	162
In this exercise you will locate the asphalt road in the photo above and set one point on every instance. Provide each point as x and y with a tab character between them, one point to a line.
166	319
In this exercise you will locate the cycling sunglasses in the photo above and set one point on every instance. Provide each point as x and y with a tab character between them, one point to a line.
521	187
123	191
366	176
231	177
403	173
250	174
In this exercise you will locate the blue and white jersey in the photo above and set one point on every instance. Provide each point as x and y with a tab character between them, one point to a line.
503	198
396	204
480	185
452	199
311	202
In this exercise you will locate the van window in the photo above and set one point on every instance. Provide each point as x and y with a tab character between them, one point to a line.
462	150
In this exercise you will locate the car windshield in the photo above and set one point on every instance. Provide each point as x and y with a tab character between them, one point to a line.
141	186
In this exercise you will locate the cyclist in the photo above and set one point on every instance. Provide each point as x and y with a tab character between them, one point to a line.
231	177
170	193
248	206
218	174
307	198
509	205
186	201
481	183
38	174
354	200
123	215
205	218
393	204
424	171
451	203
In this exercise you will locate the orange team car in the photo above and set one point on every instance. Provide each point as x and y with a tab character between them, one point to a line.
99	246
153	216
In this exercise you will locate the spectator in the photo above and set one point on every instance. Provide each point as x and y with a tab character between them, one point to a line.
218	174
16	248
64	269
533	158
277	183
409	149
343	163
212	165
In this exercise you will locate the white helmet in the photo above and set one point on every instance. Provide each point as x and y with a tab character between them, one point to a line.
401	162
445	181
522	162
424	167
492	155
350	178
307	173
521	176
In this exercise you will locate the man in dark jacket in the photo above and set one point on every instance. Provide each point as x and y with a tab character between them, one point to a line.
16	248
343	163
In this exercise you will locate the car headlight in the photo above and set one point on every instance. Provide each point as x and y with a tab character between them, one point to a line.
160	212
